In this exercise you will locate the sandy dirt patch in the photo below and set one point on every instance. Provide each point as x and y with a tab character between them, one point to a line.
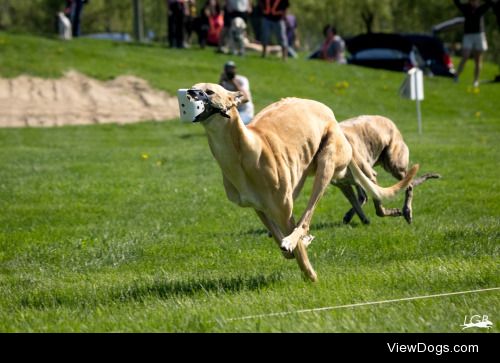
76	99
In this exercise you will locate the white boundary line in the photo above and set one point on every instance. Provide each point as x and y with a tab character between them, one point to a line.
283	313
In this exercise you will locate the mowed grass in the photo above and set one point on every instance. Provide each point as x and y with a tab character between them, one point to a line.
127	228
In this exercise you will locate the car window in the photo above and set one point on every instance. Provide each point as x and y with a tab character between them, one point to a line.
380	53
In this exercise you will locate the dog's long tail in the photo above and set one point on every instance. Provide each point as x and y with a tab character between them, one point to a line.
376	191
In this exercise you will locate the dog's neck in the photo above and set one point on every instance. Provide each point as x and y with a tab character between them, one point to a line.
231	141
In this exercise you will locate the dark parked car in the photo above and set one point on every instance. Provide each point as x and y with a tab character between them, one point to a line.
400	52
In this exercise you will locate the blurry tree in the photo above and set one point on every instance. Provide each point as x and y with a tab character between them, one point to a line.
38	16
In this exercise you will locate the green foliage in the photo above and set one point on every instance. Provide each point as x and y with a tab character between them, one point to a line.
96	237
37	16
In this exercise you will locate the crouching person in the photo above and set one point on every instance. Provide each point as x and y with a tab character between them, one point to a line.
236	82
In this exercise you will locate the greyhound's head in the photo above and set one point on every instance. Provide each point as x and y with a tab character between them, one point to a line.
204	100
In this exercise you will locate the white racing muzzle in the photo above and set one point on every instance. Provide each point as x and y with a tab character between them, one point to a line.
192	104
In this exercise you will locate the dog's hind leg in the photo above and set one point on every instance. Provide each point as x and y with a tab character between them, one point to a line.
356	203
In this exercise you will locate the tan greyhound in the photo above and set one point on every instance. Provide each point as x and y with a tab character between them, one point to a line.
264	165
377	141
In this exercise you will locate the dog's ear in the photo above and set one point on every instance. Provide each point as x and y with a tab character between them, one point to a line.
239	98
232	99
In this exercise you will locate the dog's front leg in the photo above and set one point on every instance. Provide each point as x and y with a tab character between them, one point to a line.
407	207
356	202
386	212
295	241
324	174
275	232
300	233
299	252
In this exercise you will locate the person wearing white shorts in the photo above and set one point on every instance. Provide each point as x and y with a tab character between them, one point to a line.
474	41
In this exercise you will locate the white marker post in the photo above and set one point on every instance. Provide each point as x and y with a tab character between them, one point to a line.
413	89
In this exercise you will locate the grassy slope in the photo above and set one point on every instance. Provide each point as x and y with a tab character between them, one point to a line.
94	237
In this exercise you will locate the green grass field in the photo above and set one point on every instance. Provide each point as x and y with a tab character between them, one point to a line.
127	228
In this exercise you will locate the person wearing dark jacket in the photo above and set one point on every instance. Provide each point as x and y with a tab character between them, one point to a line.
73	11
496	10
176	17
273	21
474	41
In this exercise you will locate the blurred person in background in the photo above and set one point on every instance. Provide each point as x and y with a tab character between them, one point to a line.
474	42
273	22
189	22
215	17
291	34
333	47
176	16
496	10
236	82
233	9
73	11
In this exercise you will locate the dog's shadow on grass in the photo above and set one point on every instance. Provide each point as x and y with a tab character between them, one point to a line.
332	225
165	289
191	135
252	232
160	289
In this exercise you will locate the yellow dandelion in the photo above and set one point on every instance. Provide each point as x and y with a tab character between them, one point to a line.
144	156
342	85
476	90
478	114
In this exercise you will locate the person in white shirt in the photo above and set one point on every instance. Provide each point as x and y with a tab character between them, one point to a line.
239	8
236	82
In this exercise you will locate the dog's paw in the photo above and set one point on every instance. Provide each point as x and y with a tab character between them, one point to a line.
408	214
288	244
306	240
